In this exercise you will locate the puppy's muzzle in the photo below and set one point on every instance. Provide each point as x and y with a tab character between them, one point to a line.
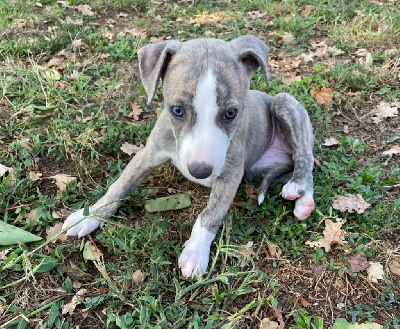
200	170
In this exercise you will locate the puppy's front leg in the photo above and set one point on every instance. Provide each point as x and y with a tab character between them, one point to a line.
138	169
195	255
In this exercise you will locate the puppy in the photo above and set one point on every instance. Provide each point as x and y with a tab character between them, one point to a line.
215	130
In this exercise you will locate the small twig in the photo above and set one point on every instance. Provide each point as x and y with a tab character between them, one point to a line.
16	207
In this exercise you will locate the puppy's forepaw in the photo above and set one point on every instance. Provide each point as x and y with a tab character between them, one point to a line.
82	229
193	261
292	191
304	206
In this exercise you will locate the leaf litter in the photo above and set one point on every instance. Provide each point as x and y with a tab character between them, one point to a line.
350	203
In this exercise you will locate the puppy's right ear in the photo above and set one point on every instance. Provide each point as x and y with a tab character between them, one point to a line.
153	62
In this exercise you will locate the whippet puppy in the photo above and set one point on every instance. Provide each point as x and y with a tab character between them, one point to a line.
215	131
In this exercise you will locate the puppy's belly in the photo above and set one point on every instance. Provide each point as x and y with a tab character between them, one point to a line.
278	152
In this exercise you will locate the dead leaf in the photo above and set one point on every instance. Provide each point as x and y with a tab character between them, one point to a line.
53	231
362	52
75	273
3	255
92	252
35	176
4	169
70	307
57	62
30	216
138	277
64	4
274	249
330	141
288	37
350	203
249	189
395	149
122	15
333	235
291	78
85	10
306	11
136	112
322	96
61	180
375	272
246	251
307	57
394	267
130	149
358	263
69	20
383	111
268	324
304	302
346	129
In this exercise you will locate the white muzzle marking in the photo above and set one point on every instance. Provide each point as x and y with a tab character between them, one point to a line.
206	143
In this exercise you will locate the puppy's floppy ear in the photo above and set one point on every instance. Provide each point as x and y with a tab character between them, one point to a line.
153	62
253	53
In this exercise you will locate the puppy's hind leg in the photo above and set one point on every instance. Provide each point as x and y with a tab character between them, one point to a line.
295	128
138	169
281	173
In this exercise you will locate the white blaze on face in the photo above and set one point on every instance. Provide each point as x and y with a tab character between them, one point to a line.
206	142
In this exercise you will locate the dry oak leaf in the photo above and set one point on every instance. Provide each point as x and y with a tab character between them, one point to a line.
307	57
85	10
246	251
358	263
322	96
333	235
395	149
76	300
138	276
4	169
288	37
75	273
53	231
130	149
375	272
57	62
268	324
34	176
350	203
62	180
330	141
394	267
306	11
384	110
274	249
136	112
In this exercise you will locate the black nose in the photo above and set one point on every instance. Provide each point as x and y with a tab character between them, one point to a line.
200	170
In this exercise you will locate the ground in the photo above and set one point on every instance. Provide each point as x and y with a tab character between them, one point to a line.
70	97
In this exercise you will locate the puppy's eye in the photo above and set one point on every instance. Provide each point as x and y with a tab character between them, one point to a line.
230	114
177	111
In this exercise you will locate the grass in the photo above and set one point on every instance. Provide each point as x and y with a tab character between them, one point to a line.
73	118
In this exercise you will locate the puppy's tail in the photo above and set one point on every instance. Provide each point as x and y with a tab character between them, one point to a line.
278	174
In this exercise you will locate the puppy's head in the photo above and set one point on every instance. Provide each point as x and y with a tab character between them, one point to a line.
205	83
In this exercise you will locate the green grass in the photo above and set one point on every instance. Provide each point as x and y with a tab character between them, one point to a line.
75	121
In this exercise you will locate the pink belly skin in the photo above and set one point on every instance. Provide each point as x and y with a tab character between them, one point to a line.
278	152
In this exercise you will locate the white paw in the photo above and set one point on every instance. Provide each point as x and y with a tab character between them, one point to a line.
85	227
304	206
193	261
194	257
292	191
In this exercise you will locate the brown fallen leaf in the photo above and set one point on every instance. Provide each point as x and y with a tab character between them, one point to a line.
291	78
3	253
358	263
322	96
384	110
130	149
95	252
57	62
61	180
350	203
303	302
4	169
246	251
306	11
375	272
333	235
76	300
362	52
136	112
35	176
53	231
85	10
274	249
395	149
30	216
307	57
394	267
250	191
268	324
75	273
330	141
288	38
138	277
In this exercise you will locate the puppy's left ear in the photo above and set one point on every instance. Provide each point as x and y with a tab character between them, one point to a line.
153	62
253	53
